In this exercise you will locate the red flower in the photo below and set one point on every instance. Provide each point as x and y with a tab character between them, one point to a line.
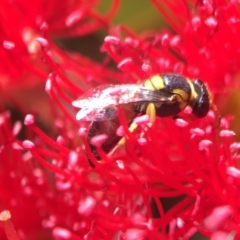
202	43
84	197
20	52
113	199
207	38
21	182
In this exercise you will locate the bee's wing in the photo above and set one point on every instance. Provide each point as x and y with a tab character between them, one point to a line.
104	95
97	104
97	114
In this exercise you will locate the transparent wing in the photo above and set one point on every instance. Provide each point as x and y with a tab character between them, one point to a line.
94	101
97	114
105	95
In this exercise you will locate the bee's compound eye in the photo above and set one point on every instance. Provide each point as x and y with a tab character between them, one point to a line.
201	104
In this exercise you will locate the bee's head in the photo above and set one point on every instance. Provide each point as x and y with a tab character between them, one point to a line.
202	102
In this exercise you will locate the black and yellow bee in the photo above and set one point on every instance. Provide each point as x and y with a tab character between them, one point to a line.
169	93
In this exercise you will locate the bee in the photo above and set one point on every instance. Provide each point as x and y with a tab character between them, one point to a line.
169	93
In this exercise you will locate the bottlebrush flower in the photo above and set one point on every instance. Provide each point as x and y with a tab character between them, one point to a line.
173	158
181	158
207	31
22	181
22	22
202	43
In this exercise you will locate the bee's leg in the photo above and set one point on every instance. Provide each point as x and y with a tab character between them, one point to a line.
151	112
122	141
